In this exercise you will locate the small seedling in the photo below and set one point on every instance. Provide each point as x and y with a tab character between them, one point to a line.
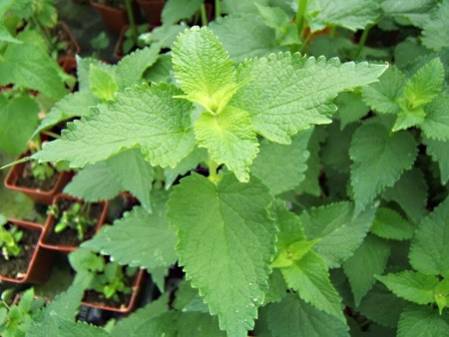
41	171
9	240
16	319
76	217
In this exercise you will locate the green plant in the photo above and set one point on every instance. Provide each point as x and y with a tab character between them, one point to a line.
76	217
16	319
109	278
10	237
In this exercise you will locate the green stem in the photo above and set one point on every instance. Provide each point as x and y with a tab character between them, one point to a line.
213	174
362	41
217	8
204	21
132	21
300	17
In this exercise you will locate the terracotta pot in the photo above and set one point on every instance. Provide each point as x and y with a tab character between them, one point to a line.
68	60
113	18
50	222
126	307
38	195
41	261
152	10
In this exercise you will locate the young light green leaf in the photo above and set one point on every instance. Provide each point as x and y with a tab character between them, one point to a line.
382	157
103	84
215	224
295	318
310	278
411	286
429	252
229	138
389	224
139	239
285	93
369	259
203	69
145	117
338	232
282	167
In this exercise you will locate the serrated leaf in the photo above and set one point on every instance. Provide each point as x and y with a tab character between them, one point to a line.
155	121
102	83
229	138
369	259
139	239
295	318
282	167
215	223
381	156
411	286
439	151
422	322
18	118
190	162
203	69
429	252
338	231
130	69
435	33
410	192
350	14
389	224
382	96
310	278
255	38
175	10
285	93
436	123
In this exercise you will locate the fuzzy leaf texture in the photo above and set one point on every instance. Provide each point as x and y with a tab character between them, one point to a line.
215	224
422	322
381	156
139	239
145	117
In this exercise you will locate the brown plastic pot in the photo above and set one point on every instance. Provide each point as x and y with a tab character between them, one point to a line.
152	10
125	308
113	18
50	222
68	60
41	261
38	195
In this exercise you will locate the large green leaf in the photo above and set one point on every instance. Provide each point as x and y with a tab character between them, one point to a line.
435	33
295	318
369	259
389	224
436	123
203	69
282	167
225	243
145	117
439	151
422	322
380	156
139	239
429	253
285	93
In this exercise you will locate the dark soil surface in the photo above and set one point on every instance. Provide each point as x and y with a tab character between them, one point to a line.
26	179
69	237
119	205
19	265
94	297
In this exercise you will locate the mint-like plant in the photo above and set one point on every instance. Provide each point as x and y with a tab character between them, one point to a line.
10	237
76	217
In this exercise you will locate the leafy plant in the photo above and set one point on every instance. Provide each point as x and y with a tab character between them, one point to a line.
76	217
109	278
10	237
16	318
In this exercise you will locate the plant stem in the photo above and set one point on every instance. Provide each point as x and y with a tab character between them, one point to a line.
217	8
362	41
132	21
213	175
300	17
51	134
204	21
